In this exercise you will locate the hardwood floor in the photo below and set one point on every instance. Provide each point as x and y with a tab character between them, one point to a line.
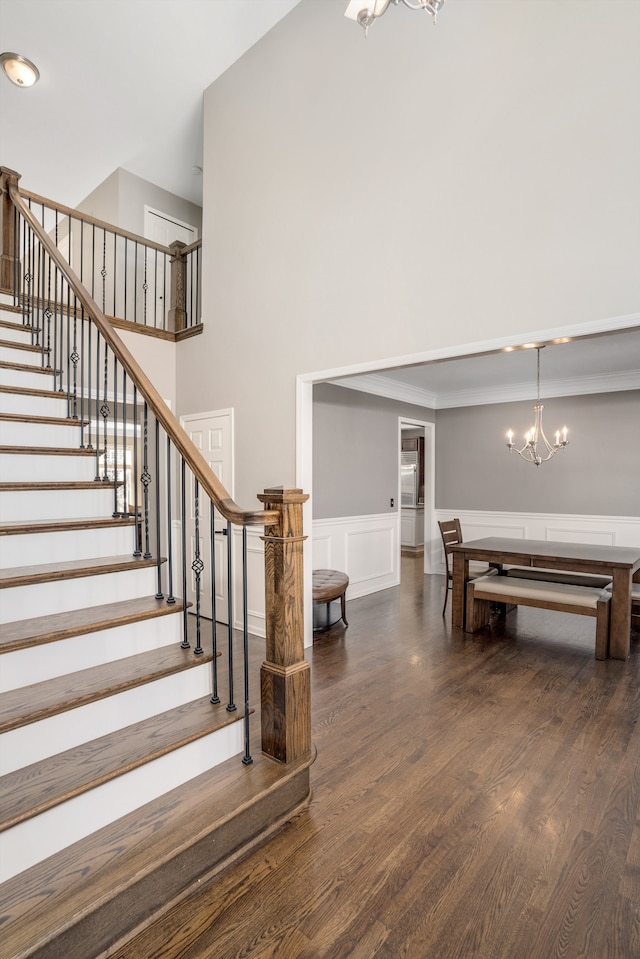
474	798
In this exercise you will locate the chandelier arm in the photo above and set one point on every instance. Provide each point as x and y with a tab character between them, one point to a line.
430	6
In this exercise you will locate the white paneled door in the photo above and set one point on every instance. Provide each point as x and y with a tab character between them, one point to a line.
212	433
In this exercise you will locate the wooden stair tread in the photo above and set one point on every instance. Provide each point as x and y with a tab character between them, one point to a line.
71	569
91	619
20	707
33	391
11	308
26	368
57	485
28	347
43	420
48	451
33	789
146	858
17	526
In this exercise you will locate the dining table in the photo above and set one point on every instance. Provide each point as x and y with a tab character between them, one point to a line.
621	563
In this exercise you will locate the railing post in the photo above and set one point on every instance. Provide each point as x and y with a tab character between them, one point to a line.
285	679
178	309
7	230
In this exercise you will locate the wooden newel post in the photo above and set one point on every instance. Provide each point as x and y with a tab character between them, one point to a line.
7	230
285	679
178	306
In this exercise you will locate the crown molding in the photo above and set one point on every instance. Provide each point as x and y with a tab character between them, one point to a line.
403	392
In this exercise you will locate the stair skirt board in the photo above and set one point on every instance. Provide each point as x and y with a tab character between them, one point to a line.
40	837
36	664
60	595
59	546
52	504
42	467
55	734
18	433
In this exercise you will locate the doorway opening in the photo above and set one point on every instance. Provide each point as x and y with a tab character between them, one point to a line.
416	490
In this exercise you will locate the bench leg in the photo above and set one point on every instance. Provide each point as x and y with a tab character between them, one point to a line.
343	608
602	630
478	611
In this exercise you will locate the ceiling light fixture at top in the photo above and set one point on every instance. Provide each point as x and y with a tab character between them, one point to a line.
366	11
537	449
20	71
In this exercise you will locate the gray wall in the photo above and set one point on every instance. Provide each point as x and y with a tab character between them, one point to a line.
355	451
355	464
121	199
426	189
598	473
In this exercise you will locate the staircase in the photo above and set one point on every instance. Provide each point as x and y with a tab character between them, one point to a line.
120	780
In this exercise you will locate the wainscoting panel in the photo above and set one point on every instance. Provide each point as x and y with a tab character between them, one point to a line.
364	547
565	528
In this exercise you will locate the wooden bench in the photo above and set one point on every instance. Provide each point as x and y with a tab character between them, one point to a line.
563	597
327	585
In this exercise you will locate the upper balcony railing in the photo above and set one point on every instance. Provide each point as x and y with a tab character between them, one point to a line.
132	279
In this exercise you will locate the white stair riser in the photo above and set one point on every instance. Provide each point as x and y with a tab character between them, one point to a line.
31	842
33	405
39	663
62	546
31	381
29	744
27	357
16	333
43	599
16	433
33	505
44	467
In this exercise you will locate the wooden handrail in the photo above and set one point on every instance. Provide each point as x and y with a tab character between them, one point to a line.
209	482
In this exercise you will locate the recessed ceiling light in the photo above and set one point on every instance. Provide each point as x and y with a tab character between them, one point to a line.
20	71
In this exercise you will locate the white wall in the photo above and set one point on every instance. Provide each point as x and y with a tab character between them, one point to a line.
427	188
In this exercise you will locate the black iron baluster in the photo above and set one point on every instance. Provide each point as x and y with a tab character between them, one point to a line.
145	478
145	287
135	282
246	759
115	437
159	592
125	448
215	698
105	410
97	405
93	261
83	364
231	706
115	277
103	271
183	517
88	365
197	565
170	597
69	351
136	506
126	272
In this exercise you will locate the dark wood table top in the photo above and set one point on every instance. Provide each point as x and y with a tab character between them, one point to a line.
547	552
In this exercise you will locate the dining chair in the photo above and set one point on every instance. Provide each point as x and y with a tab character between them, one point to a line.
451	533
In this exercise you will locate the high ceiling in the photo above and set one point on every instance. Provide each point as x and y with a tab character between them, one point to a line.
121	85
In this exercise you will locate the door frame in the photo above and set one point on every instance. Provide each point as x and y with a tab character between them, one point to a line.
430	479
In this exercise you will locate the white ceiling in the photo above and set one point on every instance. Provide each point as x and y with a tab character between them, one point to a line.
121	85
131	76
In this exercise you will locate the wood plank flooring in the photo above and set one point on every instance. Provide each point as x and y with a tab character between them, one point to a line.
474	798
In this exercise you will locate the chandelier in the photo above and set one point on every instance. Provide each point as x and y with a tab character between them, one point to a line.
537	449
366	11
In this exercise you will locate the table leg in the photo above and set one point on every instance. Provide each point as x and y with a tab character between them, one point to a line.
460	577
620	623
